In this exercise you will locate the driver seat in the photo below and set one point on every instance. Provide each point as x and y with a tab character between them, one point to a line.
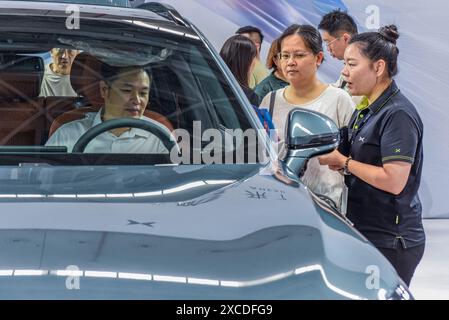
85	78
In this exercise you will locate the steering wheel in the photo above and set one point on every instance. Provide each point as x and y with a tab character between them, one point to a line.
151	127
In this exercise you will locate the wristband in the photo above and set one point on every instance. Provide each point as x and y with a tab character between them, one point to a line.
345	168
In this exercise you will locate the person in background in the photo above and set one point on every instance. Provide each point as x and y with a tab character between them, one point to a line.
56	80
337	29
301	55
260	72
276	79
239	53
384	162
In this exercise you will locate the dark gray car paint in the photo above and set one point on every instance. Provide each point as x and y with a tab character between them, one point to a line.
255	231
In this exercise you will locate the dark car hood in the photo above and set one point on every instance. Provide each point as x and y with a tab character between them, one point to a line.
248	237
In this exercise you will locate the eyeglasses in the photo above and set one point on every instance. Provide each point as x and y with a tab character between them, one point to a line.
330	42
285	56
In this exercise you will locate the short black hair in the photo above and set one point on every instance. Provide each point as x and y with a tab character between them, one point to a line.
337	21
249	29
111	73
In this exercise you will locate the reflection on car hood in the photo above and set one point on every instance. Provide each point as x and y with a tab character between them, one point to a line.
255	237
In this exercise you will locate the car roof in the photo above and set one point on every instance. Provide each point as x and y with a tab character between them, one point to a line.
53	8
160	16
151	11
108	3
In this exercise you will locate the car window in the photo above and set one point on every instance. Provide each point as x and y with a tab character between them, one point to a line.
187	97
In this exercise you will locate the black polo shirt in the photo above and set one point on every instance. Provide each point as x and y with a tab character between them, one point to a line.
388	130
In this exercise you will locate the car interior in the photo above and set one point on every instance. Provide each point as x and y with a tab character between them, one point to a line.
187	86
29	120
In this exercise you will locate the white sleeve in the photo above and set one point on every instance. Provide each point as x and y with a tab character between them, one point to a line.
265	104
345	108
60	138
161	147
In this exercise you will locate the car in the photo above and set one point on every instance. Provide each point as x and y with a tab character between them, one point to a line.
218	216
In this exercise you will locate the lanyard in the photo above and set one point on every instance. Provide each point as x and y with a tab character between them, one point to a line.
355	127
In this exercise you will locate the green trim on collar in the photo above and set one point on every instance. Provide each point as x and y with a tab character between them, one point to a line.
364	103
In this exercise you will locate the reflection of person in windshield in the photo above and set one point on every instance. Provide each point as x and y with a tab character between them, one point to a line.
56	81
126	94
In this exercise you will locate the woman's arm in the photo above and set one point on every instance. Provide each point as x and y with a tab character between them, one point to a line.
391	177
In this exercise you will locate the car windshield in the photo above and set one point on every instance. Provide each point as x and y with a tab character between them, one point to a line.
56	83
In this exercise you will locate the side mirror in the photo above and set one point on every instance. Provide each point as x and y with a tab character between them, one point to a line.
308	134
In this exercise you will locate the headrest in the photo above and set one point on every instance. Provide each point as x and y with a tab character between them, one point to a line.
85	78
20	77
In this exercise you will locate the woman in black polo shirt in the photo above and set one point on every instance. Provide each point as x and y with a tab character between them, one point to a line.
383	159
